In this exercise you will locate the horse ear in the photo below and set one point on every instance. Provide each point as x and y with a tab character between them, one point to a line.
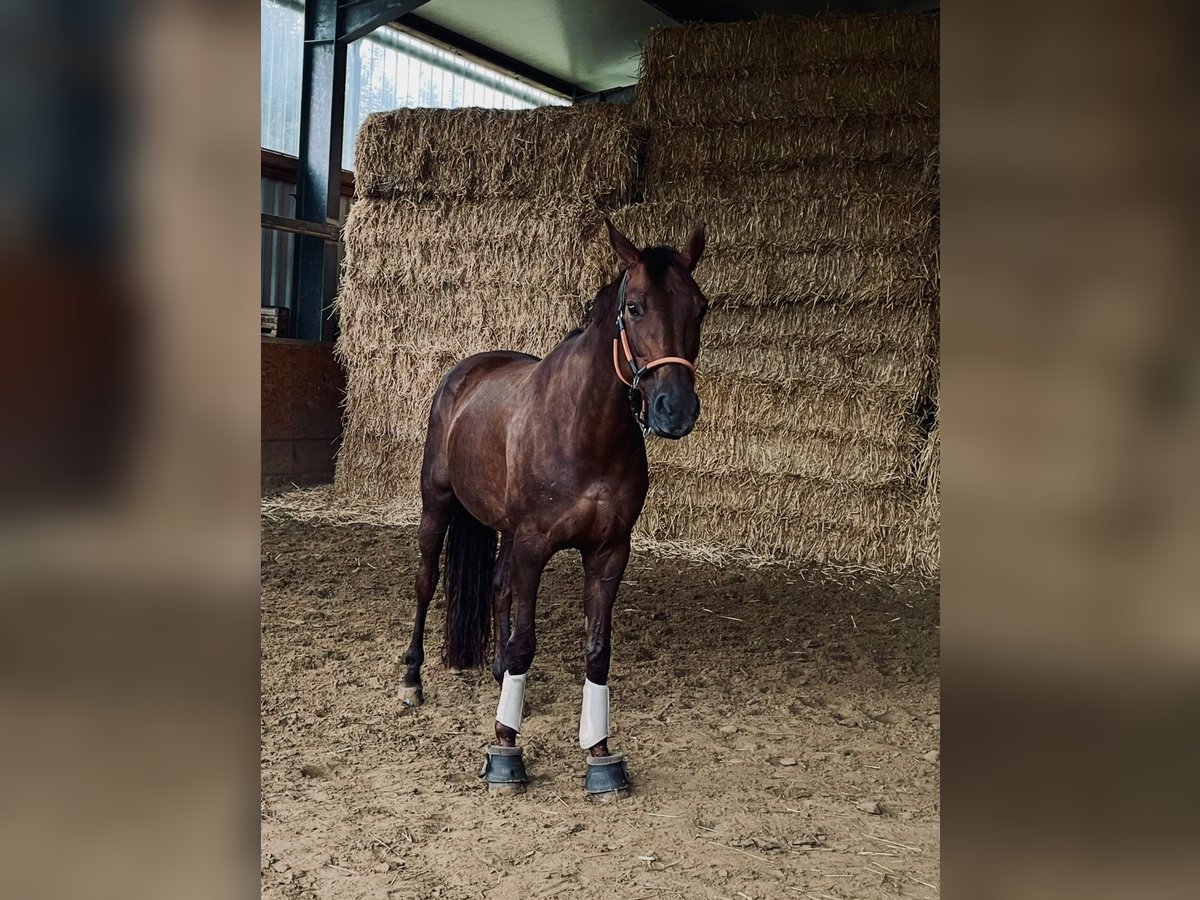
694	248
626	251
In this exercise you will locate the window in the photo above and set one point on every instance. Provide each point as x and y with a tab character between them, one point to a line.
388	69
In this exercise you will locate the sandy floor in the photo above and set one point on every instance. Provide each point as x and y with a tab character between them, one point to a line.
789	750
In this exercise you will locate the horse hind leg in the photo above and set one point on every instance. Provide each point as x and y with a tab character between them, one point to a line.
436	513
502	607
504	766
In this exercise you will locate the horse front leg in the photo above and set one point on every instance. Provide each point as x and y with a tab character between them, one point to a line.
504	767
603	569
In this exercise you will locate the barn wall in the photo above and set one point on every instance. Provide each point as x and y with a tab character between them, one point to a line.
302	389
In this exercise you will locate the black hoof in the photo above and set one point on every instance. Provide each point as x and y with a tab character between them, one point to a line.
504	770
412	696
606	777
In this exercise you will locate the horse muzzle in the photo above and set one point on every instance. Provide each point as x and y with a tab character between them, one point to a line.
673	414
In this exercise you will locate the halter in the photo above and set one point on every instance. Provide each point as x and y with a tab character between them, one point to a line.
638	404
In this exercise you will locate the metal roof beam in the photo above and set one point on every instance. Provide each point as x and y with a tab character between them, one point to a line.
358	18
491	57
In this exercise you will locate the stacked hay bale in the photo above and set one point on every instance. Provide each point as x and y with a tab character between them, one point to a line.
472	231
805	144
929	480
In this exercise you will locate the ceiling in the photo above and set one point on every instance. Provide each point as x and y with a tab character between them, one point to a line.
577	47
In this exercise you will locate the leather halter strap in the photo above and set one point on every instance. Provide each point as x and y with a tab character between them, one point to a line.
621	342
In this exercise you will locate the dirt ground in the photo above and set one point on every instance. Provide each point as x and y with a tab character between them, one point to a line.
782	734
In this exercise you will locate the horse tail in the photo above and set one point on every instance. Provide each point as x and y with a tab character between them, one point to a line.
470	561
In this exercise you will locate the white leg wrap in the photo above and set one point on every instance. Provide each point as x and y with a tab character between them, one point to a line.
512	701
593	718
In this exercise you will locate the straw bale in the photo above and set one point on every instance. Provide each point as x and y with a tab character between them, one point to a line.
877	275
894	369
391	393
888	348
862	275
775	144
789	66
796	408
780	41
810	178
461	321
584	152
814	499
721	448
785	517
376	469
855	249
929	511
929	474
891	222
435	245
788	91
839	329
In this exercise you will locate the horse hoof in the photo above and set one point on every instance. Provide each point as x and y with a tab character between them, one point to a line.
504	770
606	778
412	696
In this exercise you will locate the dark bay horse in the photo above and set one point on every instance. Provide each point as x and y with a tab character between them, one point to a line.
544	455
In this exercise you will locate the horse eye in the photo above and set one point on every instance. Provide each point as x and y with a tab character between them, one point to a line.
634	310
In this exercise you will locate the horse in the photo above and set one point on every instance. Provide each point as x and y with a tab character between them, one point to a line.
540	455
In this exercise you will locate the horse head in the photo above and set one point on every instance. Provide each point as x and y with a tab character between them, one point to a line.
660	309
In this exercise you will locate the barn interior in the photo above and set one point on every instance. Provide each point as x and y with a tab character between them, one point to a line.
776	645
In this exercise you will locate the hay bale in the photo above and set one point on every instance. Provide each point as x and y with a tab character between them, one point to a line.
585	152
459	245
895	369
894	223
890	348
929	468
852	249
810	178
465	277
783	41
786	518
769	92
814	499
487	317
796	408
844	329
768	273
375	469
791	158
790	66
390	394
929	507
722	448
774	144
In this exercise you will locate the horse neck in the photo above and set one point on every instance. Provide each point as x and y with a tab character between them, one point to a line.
601	399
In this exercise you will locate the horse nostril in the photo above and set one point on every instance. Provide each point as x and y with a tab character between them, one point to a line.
662	405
